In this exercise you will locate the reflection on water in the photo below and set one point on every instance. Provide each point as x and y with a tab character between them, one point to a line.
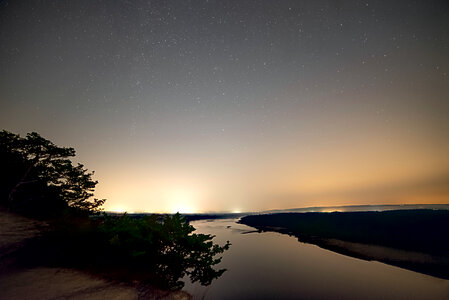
270	265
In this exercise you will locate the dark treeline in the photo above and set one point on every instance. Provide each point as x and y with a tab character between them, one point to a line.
188	217
212	216
417	240
415	230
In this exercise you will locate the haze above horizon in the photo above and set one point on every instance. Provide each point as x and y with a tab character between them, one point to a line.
199	106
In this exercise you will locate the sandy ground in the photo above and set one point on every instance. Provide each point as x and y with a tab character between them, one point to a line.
381	253
15	230
55	283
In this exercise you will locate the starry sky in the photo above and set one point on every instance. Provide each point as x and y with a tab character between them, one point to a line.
199	106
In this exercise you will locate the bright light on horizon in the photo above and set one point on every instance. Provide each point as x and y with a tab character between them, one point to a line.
238	117
183	201
118	209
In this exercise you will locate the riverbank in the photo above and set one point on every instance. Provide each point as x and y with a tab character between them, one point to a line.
417	240
39	281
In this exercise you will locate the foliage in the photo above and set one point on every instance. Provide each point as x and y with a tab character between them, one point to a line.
166	246
39	179
38	176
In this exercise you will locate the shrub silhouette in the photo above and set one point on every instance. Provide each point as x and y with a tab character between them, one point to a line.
165	244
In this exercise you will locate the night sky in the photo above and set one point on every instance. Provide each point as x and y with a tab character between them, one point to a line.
236	105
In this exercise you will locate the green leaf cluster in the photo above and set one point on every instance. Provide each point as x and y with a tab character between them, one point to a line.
166	245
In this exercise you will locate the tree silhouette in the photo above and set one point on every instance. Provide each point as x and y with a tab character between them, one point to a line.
38	178
37	172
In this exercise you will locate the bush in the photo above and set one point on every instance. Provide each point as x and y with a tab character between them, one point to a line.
165	245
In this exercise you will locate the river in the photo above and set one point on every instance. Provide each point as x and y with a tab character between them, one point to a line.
270	265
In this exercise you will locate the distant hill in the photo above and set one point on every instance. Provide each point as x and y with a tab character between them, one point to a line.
353	208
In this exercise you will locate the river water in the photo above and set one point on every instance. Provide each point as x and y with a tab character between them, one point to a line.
271	265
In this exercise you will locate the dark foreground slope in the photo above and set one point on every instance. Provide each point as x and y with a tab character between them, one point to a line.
412	239
28	270
46	282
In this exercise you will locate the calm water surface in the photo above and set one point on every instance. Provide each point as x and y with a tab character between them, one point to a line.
275	266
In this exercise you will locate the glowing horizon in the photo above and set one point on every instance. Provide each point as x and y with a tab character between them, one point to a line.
245	106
